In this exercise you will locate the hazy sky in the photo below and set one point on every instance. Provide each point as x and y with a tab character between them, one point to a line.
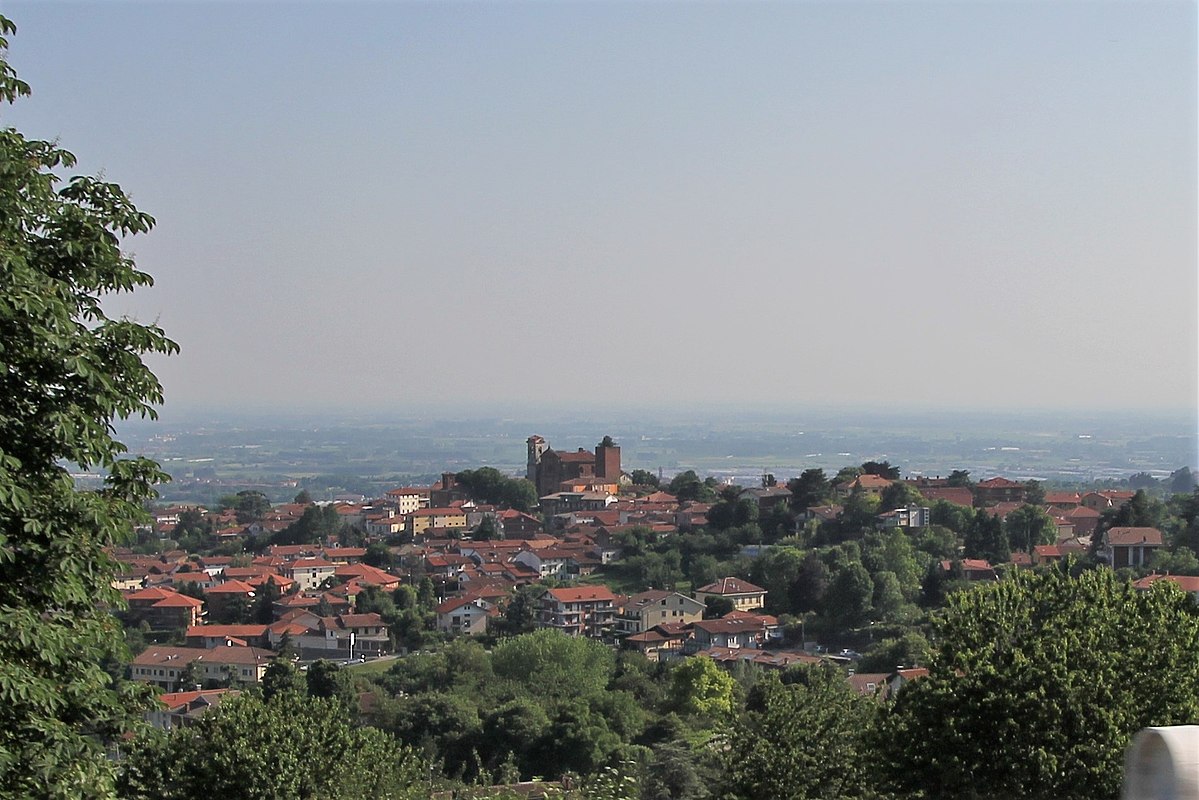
384	205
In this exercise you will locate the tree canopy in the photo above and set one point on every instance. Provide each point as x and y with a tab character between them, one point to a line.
292	746
67	372
1037	685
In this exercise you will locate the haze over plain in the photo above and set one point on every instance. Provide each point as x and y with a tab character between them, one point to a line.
396	205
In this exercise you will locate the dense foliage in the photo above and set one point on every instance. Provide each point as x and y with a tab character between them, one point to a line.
292	747
67	371
1037	686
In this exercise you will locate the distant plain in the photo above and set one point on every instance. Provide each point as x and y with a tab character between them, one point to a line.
209	454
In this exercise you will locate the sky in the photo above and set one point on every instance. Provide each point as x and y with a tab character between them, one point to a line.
610	204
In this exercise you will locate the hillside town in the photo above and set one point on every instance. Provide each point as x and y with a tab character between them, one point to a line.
585	549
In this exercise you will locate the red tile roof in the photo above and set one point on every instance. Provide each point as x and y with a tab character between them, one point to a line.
580	594
729	586
1127	537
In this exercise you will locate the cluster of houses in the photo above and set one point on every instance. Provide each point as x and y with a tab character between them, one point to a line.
586	505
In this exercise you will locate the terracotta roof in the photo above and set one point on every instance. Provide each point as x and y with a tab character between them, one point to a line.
310	563
998	483
438	512
174	700
178	601
582	593
239	631
1125	537
580	456
157	655
727	586
1188	583
232	587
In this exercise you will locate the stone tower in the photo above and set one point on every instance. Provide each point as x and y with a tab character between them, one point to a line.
537	446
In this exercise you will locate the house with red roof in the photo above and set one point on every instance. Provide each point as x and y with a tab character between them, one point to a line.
660	642
646	610
999	490
350	634
1130	547
209	636
958	495
1108	498
310	573
973	569
467	616
732	632
577	611
407	499
228	595
1188	583
163	666
180	709
1084	519
423	521
164	609
744	595
870	484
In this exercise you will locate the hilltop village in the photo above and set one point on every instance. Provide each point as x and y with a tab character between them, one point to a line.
840	572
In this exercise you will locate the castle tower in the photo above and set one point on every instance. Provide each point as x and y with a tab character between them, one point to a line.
607	459
537	446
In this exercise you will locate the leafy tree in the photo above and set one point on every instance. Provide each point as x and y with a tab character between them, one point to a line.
807	592
909	650
899	495
251	505
859	511
303	498
1034	492
849	597
292	746
699	687
883	469
189	678
487	530
520	613
578	740
327	680
281	676
489	485
1028	526
643	477
378	555
549	662
798	741
688	486
811	488
513	731
1037	685
443	723
1180	562
1142	480
67	372
950	515
317	524
1139	512
847	474
262	611
1182	481
777	571
716	607
960	479
674	772
985	538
